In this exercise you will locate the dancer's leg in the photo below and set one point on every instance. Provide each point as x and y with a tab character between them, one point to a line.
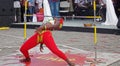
30	43
49	42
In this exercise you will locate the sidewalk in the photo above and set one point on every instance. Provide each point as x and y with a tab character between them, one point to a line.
75	25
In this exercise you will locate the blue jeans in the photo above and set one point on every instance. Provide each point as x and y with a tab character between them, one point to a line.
31	11
54	6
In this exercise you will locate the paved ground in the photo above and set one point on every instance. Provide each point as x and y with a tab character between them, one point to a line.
11	40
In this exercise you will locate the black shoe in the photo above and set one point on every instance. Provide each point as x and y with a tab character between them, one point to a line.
25	60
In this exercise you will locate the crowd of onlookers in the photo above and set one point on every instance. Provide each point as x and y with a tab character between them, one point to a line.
77	8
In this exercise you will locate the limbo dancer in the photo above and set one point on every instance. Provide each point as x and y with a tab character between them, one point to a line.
43	35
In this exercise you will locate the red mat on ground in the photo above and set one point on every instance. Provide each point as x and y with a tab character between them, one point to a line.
46	60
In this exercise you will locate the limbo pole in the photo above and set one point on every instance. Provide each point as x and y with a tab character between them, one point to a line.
94	8
95	30
95	41
25	25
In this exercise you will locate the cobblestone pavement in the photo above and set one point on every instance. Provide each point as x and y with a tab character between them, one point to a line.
11	40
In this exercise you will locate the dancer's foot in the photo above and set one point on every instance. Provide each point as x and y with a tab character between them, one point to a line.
25	60
92	64
70	63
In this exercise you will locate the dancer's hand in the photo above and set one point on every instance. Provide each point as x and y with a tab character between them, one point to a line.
38	30
41	47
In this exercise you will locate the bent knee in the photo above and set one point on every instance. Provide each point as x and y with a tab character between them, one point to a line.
23	49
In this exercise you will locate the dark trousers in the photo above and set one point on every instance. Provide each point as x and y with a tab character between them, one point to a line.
17	15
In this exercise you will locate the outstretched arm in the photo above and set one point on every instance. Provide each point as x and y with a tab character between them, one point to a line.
48	26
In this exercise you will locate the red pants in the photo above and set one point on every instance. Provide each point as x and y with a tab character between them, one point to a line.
47	40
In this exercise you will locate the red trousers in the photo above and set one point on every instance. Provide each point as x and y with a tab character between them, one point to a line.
47	40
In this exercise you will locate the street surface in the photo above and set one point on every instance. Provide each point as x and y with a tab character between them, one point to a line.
108	45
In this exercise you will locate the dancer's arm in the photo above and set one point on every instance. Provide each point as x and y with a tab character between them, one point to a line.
48	26
41	47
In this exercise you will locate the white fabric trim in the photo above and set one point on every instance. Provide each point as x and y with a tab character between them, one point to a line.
111	18
47	12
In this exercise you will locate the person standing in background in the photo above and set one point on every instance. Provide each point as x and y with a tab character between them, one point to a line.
22	2
71	6
103	10
17	7
54	6
39	5
80	3
31	9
